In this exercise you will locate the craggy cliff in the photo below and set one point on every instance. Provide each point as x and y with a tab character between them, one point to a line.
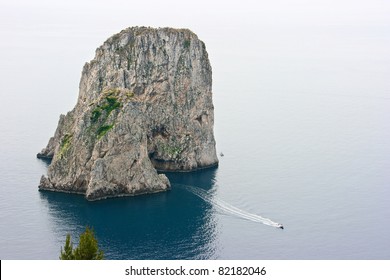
145	104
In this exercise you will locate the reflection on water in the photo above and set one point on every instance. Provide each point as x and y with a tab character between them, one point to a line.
171	225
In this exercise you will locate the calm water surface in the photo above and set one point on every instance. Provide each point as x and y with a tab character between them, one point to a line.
302	118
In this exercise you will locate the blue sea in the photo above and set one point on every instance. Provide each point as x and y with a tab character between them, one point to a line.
302	116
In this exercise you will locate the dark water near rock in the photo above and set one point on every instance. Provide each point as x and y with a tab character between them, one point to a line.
302	117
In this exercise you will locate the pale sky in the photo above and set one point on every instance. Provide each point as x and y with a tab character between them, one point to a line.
58	37
200	14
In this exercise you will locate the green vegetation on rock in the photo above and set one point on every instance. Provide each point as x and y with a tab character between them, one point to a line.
103	130
172	151
96	113
111	104
109	101
65	144
187	44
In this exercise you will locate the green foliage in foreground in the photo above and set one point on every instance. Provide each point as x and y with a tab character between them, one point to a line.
67	253
86	250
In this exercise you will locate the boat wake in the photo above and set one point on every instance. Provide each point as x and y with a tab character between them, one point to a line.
230	209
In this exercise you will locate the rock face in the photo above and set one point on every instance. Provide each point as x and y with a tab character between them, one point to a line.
145	104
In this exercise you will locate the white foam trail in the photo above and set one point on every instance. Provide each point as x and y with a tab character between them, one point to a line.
228	208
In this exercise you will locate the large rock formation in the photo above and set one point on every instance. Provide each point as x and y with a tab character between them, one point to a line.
145	104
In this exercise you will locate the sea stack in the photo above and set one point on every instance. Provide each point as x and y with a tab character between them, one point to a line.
144	105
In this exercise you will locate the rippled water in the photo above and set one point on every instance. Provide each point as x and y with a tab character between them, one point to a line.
302	117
